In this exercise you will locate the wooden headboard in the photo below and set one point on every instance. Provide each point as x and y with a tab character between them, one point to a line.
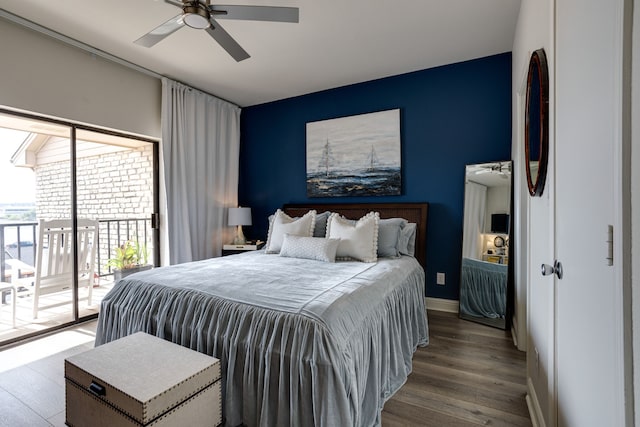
413	212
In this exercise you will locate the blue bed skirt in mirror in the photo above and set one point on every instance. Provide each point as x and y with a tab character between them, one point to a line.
483	288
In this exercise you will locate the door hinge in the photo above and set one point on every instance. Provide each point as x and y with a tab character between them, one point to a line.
609	244
155	221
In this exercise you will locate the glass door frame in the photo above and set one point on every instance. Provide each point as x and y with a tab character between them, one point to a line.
155	226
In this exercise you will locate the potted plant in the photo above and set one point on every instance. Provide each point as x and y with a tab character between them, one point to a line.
129	258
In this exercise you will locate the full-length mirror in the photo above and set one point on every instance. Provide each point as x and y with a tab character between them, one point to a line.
484	273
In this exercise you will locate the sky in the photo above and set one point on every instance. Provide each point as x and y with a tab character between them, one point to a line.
17	185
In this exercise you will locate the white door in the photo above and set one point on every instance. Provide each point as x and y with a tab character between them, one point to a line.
540	303
588	100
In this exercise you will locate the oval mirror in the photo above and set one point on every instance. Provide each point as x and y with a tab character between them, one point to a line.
536	134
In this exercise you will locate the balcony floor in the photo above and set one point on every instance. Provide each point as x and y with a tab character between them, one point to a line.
50	317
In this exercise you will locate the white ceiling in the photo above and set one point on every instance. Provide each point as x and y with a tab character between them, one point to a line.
497	174
336	43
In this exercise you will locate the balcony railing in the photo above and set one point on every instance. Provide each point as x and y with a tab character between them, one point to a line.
112	233
21	247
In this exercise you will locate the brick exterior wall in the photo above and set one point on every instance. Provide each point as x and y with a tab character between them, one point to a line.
112	186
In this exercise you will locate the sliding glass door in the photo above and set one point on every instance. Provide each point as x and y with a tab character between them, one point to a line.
34	184
72	199
115	178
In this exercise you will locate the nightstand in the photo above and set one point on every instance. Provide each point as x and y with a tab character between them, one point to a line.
238	249
495	258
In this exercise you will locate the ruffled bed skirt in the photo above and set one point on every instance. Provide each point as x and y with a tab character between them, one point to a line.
281	368
483	290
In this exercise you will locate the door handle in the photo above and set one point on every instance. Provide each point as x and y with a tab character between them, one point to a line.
548	270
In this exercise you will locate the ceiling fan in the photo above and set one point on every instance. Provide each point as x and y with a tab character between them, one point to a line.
200	15
502	169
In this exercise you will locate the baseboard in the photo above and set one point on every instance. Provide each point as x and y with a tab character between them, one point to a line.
441	304
514	336
535	413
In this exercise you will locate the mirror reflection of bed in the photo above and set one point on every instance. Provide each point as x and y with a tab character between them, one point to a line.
484	277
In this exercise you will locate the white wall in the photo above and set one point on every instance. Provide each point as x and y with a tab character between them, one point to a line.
46	76
498	201
635	206
534	331
533	31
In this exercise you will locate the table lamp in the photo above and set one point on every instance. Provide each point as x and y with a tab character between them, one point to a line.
239	216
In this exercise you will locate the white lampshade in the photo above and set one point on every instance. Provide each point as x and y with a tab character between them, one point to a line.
240	216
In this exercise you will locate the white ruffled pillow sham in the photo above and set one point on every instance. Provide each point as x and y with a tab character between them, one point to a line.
393	239
358	240
315	248
283	224
320	229
396	236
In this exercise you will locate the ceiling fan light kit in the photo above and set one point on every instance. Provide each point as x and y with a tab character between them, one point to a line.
196	15
199	15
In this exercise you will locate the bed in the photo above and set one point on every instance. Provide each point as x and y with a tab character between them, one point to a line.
301	342
483	290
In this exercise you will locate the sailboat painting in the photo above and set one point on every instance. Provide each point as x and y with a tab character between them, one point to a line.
354	156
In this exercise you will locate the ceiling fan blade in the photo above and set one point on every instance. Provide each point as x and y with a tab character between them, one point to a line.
255	13
175	3
160	32
226	41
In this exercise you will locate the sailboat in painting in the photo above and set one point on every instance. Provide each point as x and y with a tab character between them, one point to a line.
370	178
373	160
326	158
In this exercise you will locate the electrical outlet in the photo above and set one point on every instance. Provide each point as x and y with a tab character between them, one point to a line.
440	278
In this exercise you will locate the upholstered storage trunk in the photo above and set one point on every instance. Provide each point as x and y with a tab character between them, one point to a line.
142	380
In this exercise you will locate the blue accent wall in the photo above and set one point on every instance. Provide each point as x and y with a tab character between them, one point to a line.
450	116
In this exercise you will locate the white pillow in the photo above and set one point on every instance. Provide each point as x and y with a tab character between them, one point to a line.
357	241
320	229
283	224
316	248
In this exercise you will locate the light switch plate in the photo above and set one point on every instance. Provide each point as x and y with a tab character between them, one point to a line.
440	278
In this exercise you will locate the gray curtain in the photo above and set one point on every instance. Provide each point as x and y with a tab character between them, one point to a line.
200	153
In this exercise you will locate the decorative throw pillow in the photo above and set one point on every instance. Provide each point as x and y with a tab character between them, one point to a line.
358	240
407	241
283	224
316	248
389	235
320	229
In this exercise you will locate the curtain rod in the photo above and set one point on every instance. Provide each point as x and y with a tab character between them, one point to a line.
90	49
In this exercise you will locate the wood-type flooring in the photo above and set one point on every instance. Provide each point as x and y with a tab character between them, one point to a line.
469	374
